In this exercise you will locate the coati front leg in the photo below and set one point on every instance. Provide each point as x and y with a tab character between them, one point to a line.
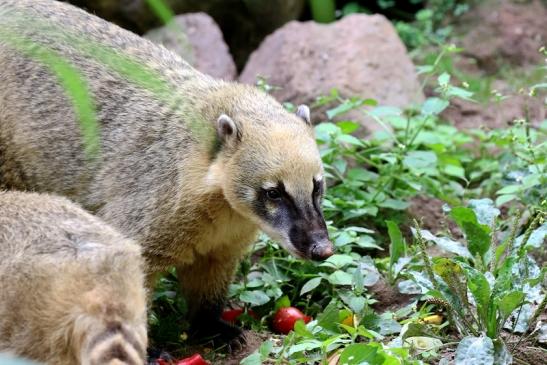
205	286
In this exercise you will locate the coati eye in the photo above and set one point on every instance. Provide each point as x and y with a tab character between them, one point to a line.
273	194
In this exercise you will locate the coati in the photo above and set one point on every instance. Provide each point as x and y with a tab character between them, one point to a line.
72	288
188	166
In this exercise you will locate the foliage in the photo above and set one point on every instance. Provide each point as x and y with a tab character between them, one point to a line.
488	286
488	283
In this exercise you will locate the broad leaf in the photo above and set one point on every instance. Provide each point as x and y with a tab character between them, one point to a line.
475	351
479	287
340	277
509	302
478	235
397	248
338	261
329	318
445	243
434	106
423	343
360	353
310	285
485	211
254	297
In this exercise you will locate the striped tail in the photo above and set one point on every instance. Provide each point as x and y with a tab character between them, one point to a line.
115	346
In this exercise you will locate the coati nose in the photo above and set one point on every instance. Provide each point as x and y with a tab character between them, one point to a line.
321	251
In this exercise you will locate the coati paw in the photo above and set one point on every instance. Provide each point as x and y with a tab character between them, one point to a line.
221	334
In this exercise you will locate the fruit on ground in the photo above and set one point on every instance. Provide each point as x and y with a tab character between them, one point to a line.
286	317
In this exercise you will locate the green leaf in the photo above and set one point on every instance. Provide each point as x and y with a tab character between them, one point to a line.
305	345
417	329
485	210
360	353
478	235
348	138
509	302
420	160
254	297
310	285
282	302
475	351
340	277
509	189
478	239
361	174
501	355
443	79
252	359
329	318
397	248
502	199
423	343
338	261
480	289
266	348
394	204
454	170
358	281
357	304
434	106
462	214
445	243
348	126
301	330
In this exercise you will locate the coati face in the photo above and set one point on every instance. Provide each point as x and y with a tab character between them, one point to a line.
273	175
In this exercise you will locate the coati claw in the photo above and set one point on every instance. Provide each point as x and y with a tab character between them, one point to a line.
220	334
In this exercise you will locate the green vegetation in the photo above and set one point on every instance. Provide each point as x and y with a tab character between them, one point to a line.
483	291
481	296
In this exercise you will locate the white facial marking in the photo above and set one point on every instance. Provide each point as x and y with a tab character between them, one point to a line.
269	185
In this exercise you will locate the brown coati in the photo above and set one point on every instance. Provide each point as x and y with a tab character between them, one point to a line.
71	287
188	166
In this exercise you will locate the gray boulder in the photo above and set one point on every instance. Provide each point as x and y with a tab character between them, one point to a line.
360	55
198	40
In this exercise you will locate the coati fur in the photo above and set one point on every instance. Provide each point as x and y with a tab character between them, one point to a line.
189	166
72	288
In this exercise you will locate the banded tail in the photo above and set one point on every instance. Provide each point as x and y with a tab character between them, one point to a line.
115	345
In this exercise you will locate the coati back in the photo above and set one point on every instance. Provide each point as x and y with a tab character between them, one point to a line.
72	288
188	166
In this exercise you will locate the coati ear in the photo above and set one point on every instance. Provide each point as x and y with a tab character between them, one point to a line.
227	130
304	112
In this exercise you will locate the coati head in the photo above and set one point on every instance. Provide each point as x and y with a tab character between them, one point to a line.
272	173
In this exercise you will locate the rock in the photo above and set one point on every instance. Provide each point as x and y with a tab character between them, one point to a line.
244	22
197	39
359	55
504	31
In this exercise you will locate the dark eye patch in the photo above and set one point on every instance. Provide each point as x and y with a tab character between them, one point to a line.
317	188
273	194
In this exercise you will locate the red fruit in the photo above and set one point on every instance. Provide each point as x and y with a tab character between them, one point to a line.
231	315
193	360
286	317
162	362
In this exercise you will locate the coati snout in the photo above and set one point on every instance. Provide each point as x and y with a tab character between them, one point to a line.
282	190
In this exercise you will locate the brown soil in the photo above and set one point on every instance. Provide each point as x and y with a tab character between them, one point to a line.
429	214
254	340
388	297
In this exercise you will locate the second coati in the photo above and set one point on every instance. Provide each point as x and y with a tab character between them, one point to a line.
189	166
71	287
